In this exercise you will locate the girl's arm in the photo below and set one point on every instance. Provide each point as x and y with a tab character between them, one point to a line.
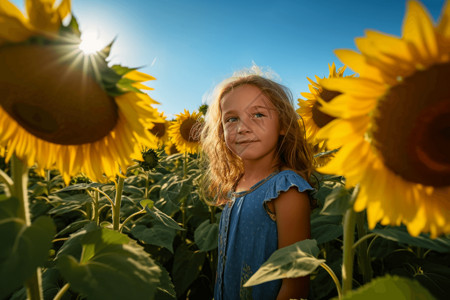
292	211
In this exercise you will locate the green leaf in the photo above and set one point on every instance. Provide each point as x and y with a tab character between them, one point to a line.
146	203
72	30
133	190
73	246
81	187
337	202
186	267
166	289
390	288
111	267
174	190
78	198
158	235
399	234
296	260
162	218
325	228
206	236
64	208
72	227
126	85
107	49
166	206
121	70
23	248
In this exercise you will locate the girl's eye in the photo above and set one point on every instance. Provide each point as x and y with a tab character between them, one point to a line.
231	119
258	115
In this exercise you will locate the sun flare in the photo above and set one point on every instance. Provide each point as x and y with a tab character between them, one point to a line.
91	42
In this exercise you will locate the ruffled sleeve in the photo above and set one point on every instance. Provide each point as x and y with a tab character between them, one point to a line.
282	182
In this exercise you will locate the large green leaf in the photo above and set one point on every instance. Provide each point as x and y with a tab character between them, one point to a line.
158	235
390	288
296	260
399	234
186	267
175	189
111	267
325	228
337	202
206	236
81	187
23	248
162	218
166	289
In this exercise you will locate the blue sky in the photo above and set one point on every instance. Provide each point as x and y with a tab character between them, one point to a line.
192	45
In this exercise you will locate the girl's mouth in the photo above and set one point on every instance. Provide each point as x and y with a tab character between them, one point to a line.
245	142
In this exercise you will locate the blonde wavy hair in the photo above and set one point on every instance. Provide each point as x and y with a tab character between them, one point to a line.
223	167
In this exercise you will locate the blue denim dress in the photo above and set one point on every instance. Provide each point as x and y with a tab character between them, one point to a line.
248	236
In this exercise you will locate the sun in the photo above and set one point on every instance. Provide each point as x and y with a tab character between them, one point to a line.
91	42
61	109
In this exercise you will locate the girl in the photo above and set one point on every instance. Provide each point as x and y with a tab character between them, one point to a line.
258	168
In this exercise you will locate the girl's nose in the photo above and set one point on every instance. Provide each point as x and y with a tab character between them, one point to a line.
243	127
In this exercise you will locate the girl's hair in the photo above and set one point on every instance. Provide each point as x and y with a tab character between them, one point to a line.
223	167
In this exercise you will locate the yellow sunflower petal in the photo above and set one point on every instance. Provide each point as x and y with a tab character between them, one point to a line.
42	15
357	63
345	106
64	9
138	76
13	25
365	88
418	28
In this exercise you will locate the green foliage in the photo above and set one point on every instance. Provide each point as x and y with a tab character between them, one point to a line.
400	235
206	235
23	248
111	266
166	244
390	288
296	260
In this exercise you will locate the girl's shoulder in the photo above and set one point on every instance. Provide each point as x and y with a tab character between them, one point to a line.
283	181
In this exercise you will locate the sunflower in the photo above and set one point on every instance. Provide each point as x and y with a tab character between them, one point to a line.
170	148
160	130
393	124
309	109
185	131
63	109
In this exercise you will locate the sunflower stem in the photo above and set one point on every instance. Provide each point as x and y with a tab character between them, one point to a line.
147	185
96	218
19	172
363	257
8	182
142	211
184	199
117	203
62	291
349	238
334	277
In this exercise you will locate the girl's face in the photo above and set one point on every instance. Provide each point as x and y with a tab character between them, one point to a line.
250	123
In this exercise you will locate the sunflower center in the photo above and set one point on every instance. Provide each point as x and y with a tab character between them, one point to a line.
189	130
52	99
412	127
321	119
158	130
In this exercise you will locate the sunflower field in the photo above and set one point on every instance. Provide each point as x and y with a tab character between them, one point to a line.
102	197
